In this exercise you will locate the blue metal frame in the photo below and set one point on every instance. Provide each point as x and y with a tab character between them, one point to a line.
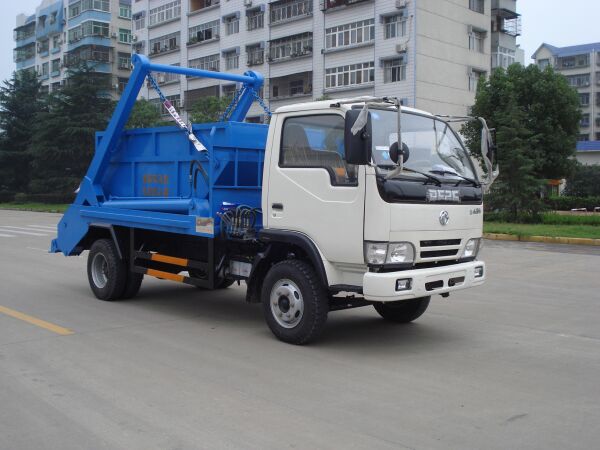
223	140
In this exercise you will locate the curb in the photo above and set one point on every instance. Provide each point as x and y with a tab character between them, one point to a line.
543	239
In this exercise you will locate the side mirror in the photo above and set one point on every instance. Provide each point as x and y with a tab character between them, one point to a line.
358	146
395	153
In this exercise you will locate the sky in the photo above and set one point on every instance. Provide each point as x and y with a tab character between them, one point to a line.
552	21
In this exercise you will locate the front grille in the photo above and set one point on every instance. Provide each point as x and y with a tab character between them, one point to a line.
440	243
438	253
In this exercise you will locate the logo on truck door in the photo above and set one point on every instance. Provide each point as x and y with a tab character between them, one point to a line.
444	218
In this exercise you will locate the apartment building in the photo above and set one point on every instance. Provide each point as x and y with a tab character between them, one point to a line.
63	33
429	53
580	64
506	26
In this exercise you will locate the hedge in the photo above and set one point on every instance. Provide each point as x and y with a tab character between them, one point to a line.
566	203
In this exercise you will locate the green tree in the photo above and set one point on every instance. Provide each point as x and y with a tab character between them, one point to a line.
542	113
64	136
145	115
584	181
19	104
209	109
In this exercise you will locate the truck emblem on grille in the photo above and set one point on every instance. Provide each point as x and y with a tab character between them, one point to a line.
444	217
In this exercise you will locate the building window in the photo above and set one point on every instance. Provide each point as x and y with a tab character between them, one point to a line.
291	47
477	5
572	62
584	99
167	43
394	70
324	149
394	26
124	35
232	60
124	11
255	19
210	62
583	137
579	80
585	121
89	28
56	42
255	55
77	8
165	78
476	41
44	46
55	65
139	21
228	90
503	57
350	75
543	63
121	84
124	61
350	34
204	32
95	53
164	13
197	5
24	53
232	24
44	71
474	77
290	9
174	99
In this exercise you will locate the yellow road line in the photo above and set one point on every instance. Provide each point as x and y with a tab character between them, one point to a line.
35	321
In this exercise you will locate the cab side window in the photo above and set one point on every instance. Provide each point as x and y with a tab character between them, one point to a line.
317	141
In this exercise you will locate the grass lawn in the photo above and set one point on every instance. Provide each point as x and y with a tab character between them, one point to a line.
39	207
522	229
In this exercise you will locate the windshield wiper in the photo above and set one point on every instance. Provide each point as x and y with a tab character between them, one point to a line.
436	180
450	172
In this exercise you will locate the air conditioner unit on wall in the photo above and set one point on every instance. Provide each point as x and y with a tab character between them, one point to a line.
134	38
402	48
247	3
401	4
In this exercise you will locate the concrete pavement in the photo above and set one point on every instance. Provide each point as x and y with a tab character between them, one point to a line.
514	364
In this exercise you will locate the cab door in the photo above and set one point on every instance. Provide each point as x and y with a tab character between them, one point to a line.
311	189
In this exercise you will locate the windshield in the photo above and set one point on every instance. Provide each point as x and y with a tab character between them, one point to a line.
434	147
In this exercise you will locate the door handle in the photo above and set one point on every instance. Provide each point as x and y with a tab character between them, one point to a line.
277	206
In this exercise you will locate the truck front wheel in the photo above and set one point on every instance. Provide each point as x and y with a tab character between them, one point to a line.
295	304
107	273
403	311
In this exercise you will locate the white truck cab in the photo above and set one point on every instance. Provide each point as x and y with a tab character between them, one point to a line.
387	229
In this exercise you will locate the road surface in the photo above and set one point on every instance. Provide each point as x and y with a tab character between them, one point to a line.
514	364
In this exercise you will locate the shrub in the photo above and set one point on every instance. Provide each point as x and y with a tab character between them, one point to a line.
20	198
6	196
567	203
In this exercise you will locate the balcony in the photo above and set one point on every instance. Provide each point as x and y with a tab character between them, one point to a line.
291	86
197	6
89	54
291	47
326	5
505	8
289	10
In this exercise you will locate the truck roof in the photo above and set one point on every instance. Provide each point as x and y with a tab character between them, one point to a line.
326	104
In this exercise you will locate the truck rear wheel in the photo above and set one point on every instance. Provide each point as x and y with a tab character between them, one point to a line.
403	311
132	285
107	273
295	304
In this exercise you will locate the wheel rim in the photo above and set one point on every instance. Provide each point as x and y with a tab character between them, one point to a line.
287	305
100	270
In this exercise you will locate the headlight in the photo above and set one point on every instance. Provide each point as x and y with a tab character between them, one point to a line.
379	253
375	252
400	252
471	249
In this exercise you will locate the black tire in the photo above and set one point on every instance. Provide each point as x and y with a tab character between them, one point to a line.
132	285
107	273
403	311
300	281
